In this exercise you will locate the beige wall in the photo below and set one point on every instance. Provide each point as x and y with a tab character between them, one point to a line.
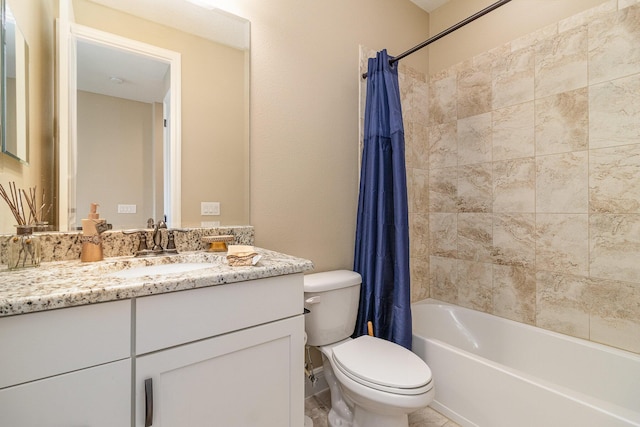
510	21
35	18
523	178
115	128
213	123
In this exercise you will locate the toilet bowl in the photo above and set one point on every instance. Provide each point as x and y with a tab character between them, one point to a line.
373	382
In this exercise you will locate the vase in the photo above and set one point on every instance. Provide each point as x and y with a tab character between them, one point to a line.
24	248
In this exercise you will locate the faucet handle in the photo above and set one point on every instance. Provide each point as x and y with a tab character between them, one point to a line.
143	247
150	223
171	244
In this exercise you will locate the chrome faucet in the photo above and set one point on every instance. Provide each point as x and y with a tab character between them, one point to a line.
157	234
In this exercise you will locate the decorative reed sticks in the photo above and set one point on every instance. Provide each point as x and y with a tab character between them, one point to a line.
17	206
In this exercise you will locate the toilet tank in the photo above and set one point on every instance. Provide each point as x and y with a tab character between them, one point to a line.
332	299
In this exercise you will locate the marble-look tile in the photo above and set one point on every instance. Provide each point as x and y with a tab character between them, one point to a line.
562	303
317	408
474	89
627	3
614	112
475	282
615	315
443	190
413	93
513	132
614	179
562	122
443	234
419	189
606	8
562	243
443	145
428	417
535	38
514	293
514	185
615	246
475	188
561	63
442	97
513	78
514	239
474	139
443	283
614	41
475	236
419	229
416	136
419	278
562	183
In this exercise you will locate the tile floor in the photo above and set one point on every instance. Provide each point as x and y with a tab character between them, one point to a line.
317	407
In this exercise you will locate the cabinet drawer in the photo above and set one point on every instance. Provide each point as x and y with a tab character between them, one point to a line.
39	345
167	320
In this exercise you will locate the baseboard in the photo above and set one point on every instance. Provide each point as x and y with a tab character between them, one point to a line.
321	383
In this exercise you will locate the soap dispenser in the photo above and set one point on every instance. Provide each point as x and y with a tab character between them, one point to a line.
91	239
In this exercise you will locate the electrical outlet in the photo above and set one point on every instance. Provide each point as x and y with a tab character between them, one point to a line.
127	209
209	208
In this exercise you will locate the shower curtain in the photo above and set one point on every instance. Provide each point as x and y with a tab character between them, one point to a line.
382	231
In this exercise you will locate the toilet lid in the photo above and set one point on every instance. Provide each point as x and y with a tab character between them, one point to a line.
383	365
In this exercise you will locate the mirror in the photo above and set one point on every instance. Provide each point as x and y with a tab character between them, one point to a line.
213	148
15	88
126	96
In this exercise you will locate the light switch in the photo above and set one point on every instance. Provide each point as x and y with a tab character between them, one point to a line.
210	208
127	209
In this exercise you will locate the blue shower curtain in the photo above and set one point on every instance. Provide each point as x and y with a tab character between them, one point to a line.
382	231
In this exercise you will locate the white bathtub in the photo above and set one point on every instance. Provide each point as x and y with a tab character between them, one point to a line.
493	372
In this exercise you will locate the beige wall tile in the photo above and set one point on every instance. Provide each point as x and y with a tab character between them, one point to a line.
614	112
443	234
475	188
443	145
514	185
478	282
562	243
562	303
474	90
474	139
443	283
419	278
419	190
562	183
514	293
562	122
626	3
561	63
514	239
513	78
615	317
580	19
475	236
442	97
513	132
416	138
419	238
613	45
443	190
614	179
615	246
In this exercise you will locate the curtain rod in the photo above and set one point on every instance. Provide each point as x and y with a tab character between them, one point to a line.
447	31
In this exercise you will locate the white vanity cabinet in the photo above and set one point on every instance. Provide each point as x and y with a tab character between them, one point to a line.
228	355
67	367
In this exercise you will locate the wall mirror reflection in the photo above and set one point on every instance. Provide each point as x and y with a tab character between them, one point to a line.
213	129
15	88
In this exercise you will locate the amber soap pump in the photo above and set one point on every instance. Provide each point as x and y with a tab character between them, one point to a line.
91	239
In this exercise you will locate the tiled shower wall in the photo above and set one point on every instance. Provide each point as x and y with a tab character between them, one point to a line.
524	172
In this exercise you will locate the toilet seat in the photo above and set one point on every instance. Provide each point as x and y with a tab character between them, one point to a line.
382	365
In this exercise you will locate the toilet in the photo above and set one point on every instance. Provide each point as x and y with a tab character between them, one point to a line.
373	382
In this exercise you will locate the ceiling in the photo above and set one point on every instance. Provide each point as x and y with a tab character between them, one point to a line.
429	5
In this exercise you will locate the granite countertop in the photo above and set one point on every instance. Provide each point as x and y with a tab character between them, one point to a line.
72	283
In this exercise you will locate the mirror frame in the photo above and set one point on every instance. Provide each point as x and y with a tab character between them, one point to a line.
21	99
68	117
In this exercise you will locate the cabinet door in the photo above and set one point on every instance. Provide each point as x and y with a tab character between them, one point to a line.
93	397
253	377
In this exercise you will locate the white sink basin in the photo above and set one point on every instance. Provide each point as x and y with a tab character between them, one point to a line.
161	269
